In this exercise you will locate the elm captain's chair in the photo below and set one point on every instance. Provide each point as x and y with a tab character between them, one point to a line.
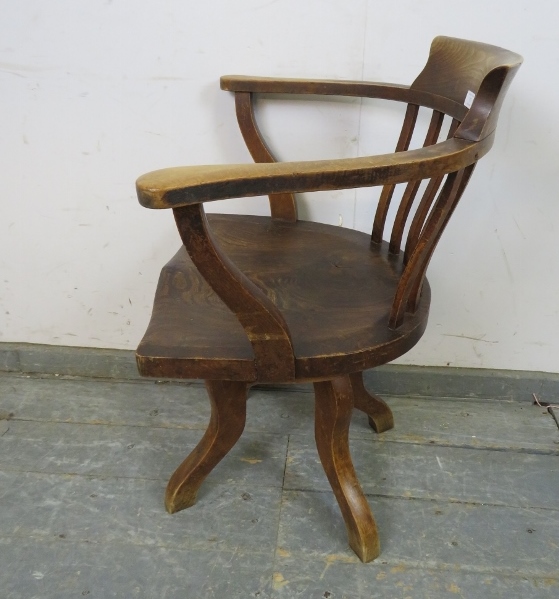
251	299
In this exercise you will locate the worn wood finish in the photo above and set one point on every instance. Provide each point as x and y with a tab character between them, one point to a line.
227	421
483	69
181	186
334	404
256	299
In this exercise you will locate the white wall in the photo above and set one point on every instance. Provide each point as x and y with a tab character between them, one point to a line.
94	93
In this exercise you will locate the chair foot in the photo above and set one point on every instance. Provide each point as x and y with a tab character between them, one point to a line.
227	421
380	415
334	404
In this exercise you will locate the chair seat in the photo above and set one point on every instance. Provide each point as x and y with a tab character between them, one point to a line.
333	287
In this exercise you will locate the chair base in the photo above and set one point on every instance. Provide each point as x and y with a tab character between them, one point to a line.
334	403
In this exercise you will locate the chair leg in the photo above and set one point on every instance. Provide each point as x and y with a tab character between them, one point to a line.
334	404
380	415
227	421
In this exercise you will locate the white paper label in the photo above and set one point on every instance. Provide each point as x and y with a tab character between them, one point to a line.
469	99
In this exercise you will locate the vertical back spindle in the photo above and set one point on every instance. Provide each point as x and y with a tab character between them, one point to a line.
409	289
388	190
425	204
412	187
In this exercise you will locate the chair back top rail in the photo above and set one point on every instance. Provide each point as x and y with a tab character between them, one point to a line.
458	68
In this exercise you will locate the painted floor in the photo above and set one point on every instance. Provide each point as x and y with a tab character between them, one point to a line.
465	493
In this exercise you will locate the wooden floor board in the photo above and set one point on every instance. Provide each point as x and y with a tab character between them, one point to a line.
464	491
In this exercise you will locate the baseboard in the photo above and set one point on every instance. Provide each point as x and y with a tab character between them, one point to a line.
30	358
426	381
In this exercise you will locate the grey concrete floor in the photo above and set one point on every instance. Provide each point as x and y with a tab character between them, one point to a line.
465	493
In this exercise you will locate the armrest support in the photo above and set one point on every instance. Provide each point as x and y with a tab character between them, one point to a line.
263	323
283	206
181	186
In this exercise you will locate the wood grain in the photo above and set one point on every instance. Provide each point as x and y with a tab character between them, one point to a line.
227	421
333	289
263	323
181	186
334	404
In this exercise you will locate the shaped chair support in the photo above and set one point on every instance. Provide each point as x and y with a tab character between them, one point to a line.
256	300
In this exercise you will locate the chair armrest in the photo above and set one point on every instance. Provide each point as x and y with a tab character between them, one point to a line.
181	186
272	85
327	87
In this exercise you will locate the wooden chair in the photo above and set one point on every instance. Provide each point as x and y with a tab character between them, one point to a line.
252	299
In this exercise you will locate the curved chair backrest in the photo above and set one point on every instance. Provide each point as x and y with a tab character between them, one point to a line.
457	68
468	82
463	81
